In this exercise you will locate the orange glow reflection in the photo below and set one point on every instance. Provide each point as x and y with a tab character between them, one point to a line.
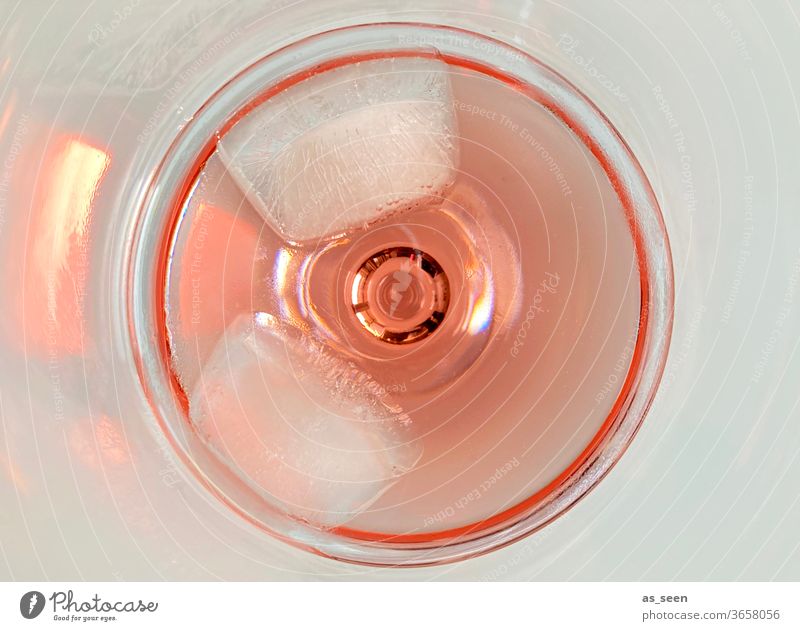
16	476
56	251
74	177
99	442
106	468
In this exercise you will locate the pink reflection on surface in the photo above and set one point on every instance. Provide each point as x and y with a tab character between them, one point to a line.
16	475
99	443
105	462
55	252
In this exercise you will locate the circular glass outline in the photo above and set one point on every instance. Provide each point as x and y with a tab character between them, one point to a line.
289	65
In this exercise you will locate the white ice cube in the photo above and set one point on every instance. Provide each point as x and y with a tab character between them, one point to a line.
346	147
306	428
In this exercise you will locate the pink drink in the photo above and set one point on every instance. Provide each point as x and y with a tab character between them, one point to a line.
502	318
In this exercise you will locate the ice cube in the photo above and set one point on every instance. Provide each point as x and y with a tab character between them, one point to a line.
303	426
346	147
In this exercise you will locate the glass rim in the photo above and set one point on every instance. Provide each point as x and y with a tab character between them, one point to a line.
155	219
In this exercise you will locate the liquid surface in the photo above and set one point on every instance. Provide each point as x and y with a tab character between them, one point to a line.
492	327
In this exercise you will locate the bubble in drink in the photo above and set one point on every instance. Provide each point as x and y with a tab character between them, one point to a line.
347	147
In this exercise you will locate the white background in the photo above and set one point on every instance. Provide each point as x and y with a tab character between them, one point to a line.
709	489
